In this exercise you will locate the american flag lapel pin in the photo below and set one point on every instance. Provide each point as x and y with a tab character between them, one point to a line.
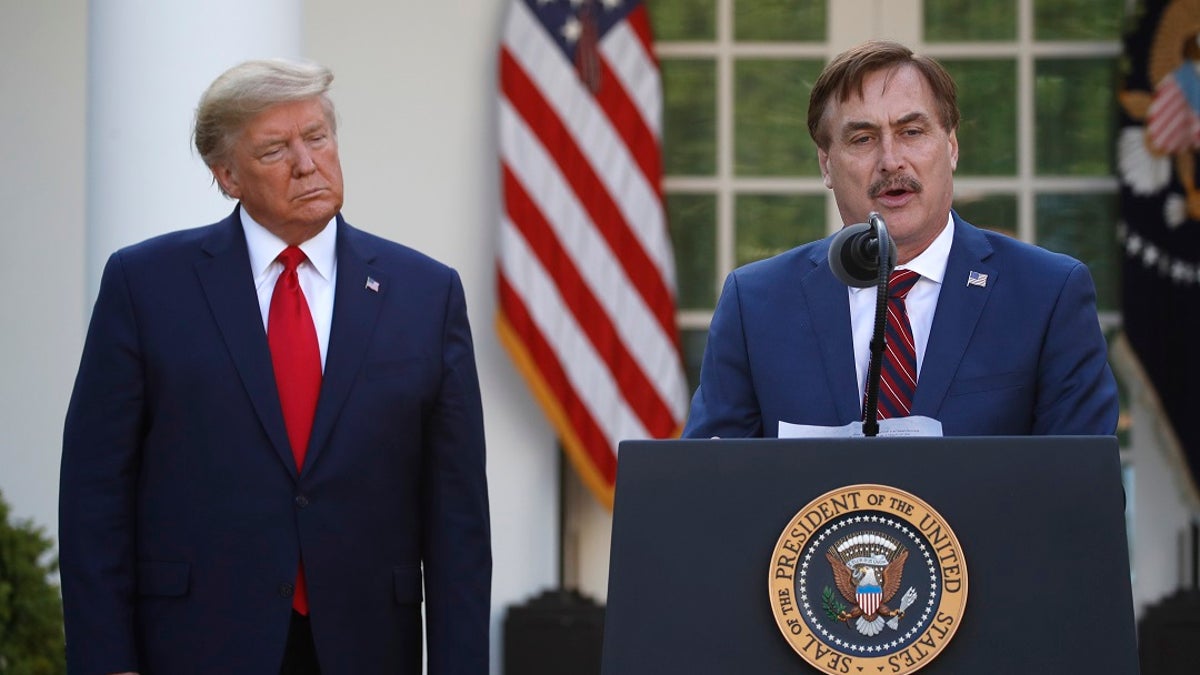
977	279
373	285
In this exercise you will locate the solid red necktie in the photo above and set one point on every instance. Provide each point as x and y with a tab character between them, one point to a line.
898	376
296	357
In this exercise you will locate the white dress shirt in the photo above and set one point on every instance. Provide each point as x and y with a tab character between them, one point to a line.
317	274
920	303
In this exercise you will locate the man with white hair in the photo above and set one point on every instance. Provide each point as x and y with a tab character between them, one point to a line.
274	452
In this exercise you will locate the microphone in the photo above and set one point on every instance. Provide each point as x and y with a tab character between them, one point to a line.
854	257
854	253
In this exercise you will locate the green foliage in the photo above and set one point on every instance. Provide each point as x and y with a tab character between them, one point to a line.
31	632
832	606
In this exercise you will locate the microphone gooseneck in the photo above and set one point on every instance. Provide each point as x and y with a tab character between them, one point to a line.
861	255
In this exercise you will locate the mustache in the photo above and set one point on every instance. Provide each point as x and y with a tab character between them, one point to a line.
902	182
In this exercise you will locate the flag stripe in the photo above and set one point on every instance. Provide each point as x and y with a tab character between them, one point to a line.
585	270
600	147
530	164
588	188
585	372
594	320
633	64
590	437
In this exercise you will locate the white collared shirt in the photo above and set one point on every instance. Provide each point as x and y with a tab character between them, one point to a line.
317	275
920	303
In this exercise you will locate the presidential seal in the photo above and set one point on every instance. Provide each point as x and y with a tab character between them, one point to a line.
868	578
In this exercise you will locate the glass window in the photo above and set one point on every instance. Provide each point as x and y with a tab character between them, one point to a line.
1075	116
771	111
683	19
987	101
997	212
778	20
689	116
693	221
768	225
1081	225
1078	19
968	20
693	341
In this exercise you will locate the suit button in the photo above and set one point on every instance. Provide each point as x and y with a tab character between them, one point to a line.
286	590
301	501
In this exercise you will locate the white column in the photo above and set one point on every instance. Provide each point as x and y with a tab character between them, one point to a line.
148	63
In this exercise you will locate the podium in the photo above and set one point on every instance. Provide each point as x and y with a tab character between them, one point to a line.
1040	521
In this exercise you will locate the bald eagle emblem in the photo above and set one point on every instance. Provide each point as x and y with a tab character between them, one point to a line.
867	569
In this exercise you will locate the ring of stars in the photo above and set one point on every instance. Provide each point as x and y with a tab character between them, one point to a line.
812	615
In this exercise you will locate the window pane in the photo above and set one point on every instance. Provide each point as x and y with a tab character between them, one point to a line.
693	342
1084	226
1075	121
991	212
987	132
771	224
682	20
775	20
689	116
770	118
968	20
693	221
1078	19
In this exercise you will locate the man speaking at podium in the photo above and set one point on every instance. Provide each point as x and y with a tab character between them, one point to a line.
986	335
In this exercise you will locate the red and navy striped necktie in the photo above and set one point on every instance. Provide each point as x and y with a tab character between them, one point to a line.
898	376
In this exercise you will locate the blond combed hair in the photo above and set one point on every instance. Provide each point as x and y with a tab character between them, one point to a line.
247	89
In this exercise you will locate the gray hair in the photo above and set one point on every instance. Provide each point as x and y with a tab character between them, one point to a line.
247	89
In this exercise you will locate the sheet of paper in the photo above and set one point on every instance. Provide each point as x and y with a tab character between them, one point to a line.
915	425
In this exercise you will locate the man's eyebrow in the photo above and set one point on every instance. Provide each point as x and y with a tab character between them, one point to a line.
915	116
858	125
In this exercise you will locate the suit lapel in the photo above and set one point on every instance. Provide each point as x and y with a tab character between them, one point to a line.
356	307
829	303
229	288
958	309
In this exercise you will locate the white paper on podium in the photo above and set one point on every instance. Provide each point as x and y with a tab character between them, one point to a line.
915	425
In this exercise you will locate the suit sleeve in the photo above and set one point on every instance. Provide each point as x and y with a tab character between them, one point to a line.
725	404
101	446
457	554
1077	393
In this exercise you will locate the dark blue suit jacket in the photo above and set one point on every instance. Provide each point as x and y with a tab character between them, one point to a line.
1022	355
182	518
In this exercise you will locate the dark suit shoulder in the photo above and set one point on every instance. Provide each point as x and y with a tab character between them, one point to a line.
181	244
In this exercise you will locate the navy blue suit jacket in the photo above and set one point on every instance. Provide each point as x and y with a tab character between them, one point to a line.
1022	355
182	517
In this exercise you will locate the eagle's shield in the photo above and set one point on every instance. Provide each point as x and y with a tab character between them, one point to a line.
869	598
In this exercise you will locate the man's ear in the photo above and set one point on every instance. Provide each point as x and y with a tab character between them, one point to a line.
226	177
823	161
953	151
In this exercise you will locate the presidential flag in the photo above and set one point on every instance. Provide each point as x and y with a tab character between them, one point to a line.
1158	158
585	269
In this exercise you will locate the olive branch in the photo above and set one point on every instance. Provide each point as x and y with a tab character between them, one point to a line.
829	602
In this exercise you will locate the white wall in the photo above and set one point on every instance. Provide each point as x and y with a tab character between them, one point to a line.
42	264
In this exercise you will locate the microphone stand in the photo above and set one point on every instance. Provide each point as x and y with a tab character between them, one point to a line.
870	423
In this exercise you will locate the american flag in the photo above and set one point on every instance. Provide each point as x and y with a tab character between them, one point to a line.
1174	118
585	269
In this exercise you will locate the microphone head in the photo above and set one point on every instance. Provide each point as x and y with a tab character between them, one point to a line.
854	255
